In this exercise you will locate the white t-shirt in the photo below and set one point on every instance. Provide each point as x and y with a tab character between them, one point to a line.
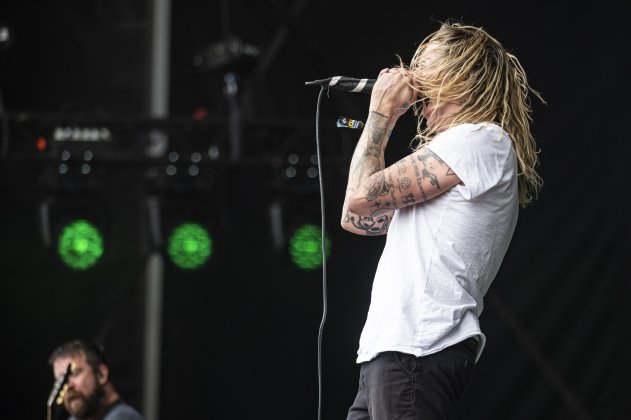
441	256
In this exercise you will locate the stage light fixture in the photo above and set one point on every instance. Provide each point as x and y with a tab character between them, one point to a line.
305	247
80	244
189	246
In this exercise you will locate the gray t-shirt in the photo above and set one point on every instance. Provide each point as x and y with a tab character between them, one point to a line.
120	411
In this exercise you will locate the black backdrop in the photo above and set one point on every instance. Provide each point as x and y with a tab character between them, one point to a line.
239	335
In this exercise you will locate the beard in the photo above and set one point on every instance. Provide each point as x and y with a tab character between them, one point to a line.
84	406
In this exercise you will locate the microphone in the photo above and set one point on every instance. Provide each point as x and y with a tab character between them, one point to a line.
347	84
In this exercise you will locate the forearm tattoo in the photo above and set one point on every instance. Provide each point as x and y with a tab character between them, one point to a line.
368	159
368	180
376	187
371	225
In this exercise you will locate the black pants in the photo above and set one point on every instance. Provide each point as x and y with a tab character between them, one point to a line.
402	386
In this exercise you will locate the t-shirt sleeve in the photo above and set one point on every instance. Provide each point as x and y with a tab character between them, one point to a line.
477	153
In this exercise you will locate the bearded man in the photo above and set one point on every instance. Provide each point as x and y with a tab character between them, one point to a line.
90	394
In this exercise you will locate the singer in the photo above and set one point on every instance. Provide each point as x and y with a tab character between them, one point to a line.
449	210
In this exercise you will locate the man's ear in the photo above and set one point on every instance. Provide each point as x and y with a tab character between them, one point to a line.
102	374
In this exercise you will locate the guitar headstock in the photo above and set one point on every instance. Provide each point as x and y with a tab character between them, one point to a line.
60	387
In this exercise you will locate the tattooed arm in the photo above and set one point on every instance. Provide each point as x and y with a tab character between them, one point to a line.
416	178
374	192
368	160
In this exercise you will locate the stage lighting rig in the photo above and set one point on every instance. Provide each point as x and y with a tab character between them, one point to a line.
191	163
298	168
229	54
63	139
73	154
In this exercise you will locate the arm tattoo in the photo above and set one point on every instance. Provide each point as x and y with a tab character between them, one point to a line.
390	186
418	179
371	225
425	154
427	171
432	178
368	158
363	165
408	199
404	183
377	187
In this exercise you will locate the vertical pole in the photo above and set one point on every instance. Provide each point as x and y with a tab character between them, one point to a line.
160	44
154	270
154	275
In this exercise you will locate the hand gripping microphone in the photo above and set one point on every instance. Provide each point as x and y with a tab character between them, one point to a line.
347	84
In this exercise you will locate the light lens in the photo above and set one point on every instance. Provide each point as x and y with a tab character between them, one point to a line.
189	246
80	245
305	247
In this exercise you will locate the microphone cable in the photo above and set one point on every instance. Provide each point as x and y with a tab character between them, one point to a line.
323	239
348	84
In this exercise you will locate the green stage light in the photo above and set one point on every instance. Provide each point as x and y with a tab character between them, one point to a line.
80	245
305	247
189	246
